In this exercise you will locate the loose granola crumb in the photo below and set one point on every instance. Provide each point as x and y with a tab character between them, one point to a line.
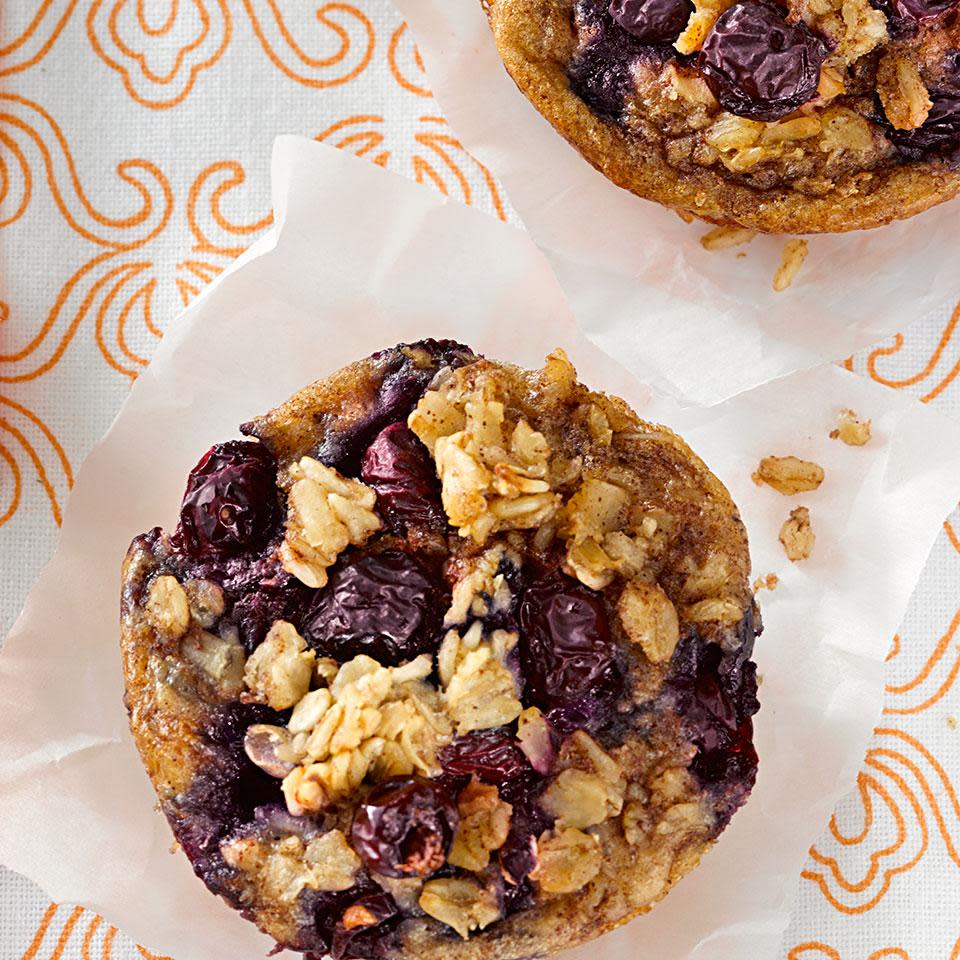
952	723
794	253
768	582
797	535
788	475
723	238
851	429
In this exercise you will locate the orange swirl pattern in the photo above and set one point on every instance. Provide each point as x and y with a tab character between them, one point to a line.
814	950
348	40
113	219
406	64
925	360
159	61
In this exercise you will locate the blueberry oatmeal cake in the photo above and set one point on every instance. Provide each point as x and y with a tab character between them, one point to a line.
800	116
449	659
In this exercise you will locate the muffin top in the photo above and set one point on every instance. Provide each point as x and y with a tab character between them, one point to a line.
811	115
452	660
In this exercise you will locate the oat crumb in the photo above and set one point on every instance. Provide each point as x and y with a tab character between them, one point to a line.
788	475
952	723
769	582
797	535
851	429
794	253
684	216
723	238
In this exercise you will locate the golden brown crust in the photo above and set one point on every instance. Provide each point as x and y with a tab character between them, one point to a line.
166	725
536	41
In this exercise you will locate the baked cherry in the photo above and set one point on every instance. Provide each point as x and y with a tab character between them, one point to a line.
493	755
230	503
404	827
398	466
383	605
758	65
568	658
652	21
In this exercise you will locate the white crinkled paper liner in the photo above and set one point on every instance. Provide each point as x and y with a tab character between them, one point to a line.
361	259
702	325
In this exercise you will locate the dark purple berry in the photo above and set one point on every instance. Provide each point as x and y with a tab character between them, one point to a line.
398	466
361	931
405	371
224	795
652	21
324	908
258	609
404	827
517	857
951	70
230	504
493	755
920	11
938	137
566	652
602	73
758	65
383	605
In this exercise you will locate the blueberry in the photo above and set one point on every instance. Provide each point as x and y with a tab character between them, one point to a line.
323	910
404	827
568	658
383	605
224	795
405	373
758	65
256	610
399	468
715	692
652	21
518	855
230	504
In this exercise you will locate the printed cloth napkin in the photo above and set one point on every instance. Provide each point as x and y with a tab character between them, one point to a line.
135	141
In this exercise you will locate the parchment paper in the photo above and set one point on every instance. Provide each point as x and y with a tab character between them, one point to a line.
703	325
361	259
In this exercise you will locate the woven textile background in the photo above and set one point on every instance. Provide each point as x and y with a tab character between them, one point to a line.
135	140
